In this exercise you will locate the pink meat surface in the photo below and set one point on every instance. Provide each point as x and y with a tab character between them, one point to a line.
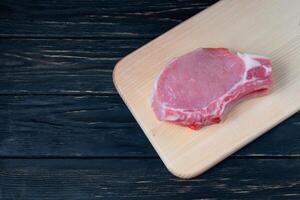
198	88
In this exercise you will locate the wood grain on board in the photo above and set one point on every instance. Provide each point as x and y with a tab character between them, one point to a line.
94	179
65	134
94	19
102	126
61	66
270	29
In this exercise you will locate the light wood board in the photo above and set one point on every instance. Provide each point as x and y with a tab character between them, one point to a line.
266	27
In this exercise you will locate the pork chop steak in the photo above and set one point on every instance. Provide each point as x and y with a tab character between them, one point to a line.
200	87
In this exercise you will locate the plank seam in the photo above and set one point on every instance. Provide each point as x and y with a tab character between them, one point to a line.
235	157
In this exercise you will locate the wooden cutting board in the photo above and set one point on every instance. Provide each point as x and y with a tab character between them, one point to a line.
266	27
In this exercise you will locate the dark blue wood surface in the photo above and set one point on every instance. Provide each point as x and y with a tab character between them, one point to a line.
66	134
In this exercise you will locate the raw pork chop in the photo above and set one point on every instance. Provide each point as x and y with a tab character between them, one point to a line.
198	88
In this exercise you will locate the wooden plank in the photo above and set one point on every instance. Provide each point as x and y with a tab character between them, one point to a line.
51	66
238	25
146	179
66	19
101	126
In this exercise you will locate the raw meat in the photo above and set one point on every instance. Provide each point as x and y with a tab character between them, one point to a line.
199	87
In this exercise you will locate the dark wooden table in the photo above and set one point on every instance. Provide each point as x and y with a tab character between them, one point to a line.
66	134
